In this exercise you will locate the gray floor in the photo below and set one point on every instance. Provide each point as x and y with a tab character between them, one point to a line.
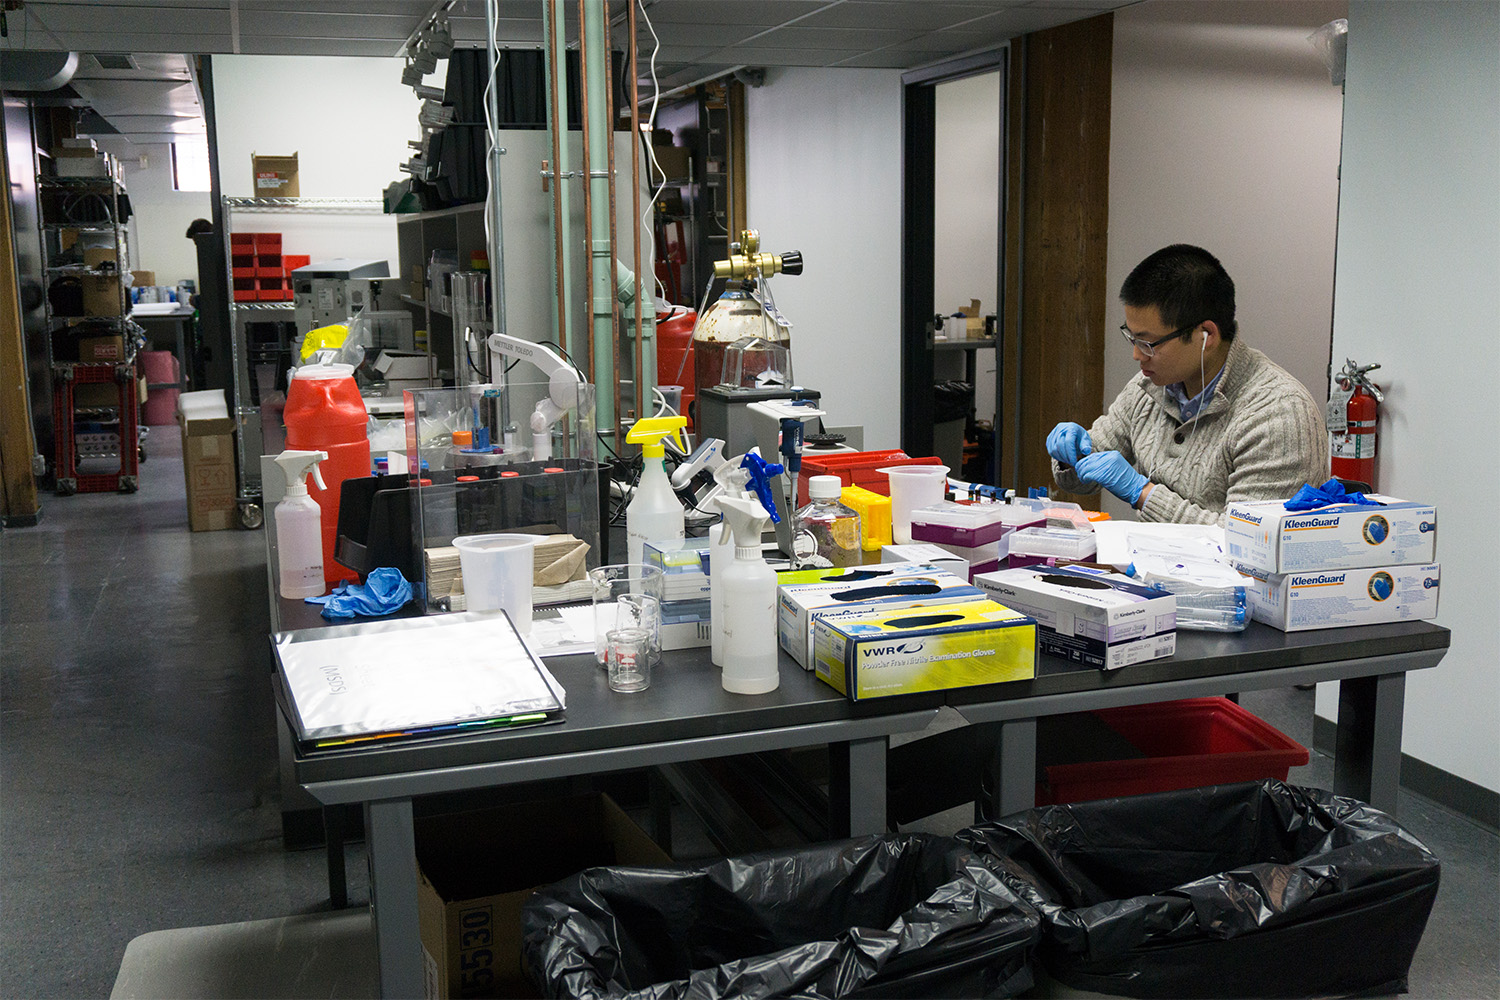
137	776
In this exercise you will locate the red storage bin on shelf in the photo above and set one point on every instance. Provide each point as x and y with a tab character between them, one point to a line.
292	261
856	468
267	242
1186	744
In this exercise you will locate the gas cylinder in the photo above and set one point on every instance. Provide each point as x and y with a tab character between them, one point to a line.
325	412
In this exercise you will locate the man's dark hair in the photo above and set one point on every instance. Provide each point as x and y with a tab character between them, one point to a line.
1186	284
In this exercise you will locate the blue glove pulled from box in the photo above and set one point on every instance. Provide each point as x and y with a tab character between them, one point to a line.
1109	470
1068	442
384	591
1311	497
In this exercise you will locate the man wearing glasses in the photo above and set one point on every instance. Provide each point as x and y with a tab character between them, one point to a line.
1208	420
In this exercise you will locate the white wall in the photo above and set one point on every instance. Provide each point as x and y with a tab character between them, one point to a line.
824	177
1224	132
1418	291
158	229
967	215
346	118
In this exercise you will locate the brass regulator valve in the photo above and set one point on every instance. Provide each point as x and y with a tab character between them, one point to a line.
746	262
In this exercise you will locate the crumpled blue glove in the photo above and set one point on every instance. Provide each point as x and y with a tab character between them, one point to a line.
1311	497
384	591
1069	442
1110	470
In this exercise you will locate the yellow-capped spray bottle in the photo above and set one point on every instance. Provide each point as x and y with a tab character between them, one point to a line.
655	513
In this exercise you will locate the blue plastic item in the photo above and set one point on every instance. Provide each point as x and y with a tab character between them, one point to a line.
384	591
761	472
1311	497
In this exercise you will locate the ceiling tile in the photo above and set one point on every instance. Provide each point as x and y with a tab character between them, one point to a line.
709	35
886	59
901	15
797	36
776	55
762	13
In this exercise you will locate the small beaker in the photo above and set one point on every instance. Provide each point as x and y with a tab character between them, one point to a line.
612	586
628	651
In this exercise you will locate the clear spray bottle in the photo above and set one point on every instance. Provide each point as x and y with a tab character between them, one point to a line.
299	527
654	514
749	610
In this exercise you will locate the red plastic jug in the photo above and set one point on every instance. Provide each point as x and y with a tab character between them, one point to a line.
325	412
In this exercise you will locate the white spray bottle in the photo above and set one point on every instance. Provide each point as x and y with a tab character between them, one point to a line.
749	612
732	480
655	513
299	527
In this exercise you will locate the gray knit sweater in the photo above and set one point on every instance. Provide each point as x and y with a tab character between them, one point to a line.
1261	437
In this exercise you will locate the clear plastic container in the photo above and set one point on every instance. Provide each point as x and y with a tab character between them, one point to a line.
825	532
1058	543
970	525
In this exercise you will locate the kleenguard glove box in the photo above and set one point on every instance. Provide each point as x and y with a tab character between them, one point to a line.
865	655
1265	536
1093	617
1327	598
805	595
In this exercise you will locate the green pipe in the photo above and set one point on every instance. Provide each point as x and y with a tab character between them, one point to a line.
601	252
553	17
625	292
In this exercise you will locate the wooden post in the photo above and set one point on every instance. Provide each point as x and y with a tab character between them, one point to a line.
18	496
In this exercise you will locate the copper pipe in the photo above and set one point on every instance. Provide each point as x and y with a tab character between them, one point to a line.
635	220
616	329
587	172
558	127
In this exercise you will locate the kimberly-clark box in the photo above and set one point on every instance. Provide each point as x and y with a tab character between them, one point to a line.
1089	616
931	648
869	588
1293	602
1265	536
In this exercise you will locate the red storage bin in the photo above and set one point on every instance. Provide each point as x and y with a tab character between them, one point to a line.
292	261
1187	744
856	468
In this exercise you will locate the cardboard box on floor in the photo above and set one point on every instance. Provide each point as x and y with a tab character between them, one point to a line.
208	468
478	868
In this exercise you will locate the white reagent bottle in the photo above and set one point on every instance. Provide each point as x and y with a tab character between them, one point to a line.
749	611
299	527
720	554
655	513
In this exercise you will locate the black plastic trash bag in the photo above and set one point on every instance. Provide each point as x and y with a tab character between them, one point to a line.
1260	889
905	916
951	400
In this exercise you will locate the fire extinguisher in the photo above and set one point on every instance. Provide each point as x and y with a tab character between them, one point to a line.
1352	415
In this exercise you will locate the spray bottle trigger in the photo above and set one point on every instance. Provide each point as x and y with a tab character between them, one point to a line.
317	473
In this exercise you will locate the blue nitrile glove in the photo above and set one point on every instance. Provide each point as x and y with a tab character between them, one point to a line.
1068	443
1311	497
1110	470
385	590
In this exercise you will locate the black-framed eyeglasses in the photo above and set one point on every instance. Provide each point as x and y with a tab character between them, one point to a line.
1148	347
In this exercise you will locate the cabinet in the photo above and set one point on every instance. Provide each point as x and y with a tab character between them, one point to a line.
91	341
457	234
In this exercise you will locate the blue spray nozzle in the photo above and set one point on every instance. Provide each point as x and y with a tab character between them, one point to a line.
761	472
1036	493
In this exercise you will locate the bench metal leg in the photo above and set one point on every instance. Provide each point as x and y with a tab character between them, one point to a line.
393	896
1367	753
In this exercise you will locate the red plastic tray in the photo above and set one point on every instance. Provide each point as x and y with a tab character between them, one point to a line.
856	468
1187	743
